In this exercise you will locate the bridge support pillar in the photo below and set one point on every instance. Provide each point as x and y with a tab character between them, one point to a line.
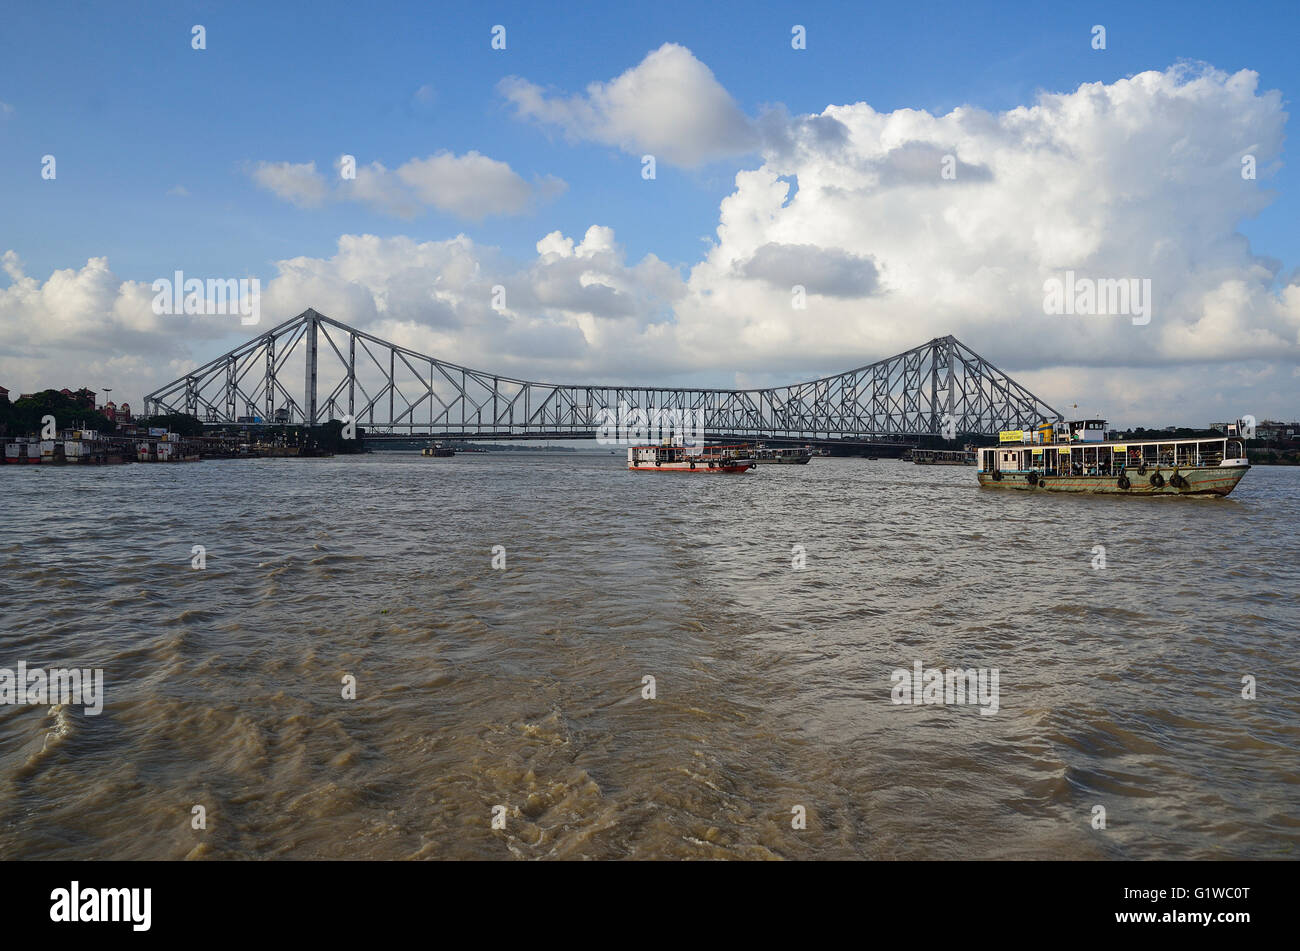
309	388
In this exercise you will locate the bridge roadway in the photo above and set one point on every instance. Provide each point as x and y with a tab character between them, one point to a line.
837	447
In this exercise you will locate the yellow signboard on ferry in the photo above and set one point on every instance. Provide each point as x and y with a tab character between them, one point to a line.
1011	435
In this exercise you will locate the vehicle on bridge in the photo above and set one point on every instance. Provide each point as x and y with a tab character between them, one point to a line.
1076	457
698	459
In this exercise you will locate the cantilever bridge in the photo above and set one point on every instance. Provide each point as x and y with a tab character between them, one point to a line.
312	369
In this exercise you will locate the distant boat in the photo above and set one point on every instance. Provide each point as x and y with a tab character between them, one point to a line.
943	457
437	449
782	457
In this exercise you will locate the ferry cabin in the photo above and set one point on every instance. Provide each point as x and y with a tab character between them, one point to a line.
1110	458
1076	457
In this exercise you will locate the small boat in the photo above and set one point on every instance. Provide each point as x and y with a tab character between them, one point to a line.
670	457
1075	457
437	449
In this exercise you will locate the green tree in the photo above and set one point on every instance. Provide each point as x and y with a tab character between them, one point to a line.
23	418
180	423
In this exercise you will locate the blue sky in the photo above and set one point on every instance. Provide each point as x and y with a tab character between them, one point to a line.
156	142
130	111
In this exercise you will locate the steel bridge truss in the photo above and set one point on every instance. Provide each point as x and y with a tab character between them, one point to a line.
312	369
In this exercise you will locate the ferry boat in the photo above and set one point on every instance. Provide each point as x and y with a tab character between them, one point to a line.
437	449
1076	457
943	457
783	457
669	457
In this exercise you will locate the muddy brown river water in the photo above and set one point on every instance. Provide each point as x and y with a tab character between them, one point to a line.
525	687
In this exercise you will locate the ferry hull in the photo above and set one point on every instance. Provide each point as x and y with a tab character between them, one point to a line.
1212	480
701	469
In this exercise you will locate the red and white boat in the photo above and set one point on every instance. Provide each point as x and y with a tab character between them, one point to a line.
698	459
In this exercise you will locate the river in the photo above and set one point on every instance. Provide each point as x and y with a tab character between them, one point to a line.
771	610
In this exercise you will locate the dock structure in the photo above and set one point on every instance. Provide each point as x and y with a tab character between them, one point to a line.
312	369
85	447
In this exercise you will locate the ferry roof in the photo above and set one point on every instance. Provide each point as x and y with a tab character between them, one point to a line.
699	446
1123	443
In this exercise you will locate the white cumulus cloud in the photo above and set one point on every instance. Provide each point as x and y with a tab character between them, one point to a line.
471	186
670	106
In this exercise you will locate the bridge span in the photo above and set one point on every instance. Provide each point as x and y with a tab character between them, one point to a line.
312	369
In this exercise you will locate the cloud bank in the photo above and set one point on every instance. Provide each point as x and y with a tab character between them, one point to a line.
901	226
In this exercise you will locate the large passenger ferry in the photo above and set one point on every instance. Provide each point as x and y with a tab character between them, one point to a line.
701	459
1076	457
